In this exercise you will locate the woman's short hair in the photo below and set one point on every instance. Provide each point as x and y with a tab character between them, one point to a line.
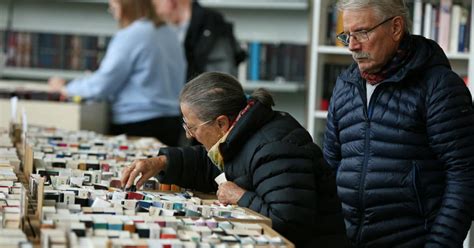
213	93
133	10
383	8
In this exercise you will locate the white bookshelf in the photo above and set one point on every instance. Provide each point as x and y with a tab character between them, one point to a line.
257	4
462	63
40	74
267	21
289	87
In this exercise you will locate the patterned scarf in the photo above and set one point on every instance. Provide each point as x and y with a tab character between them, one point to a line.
214	153
400	59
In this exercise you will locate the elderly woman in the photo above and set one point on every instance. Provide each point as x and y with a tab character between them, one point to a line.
271	164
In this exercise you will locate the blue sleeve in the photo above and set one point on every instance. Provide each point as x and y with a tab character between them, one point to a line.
113	73
450	122
332	145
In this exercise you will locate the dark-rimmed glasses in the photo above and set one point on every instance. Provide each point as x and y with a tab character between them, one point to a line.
359	36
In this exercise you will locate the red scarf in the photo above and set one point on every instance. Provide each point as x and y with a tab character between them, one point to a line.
400	59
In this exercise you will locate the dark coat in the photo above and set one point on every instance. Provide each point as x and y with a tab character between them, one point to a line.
210	44
272	157
405	172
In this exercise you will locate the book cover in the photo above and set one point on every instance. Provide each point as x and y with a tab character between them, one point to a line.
455	25
427	21
445	24
254	64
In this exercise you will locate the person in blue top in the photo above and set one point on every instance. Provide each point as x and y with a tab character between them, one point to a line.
141	75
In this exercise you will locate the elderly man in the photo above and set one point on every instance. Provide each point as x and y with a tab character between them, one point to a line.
400	134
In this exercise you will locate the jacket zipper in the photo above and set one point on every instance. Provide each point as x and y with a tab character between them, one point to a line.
368	115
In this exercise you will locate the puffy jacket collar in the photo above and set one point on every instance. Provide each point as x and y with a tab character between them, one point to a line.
427	54
256	117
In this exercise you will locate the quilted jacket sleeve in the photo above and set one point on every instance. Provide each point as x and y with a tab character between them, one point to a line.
284	186
332	145
189	167
450	129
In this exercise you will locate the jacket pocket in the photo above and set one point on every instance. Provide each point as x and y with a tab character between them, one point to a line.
416	184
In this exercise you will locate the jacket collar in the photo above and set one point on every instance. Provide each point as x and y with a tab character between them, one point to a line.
427	54
256	117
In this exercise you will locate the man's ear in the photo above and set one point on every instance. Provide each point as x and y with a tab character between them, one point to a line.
397	30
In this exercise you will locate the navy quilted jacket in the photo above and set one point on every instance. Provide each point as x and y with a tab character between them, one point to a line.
405	164
272	156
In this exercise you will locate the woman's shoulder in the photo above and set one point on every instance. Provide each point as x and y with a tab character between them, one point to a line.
138	27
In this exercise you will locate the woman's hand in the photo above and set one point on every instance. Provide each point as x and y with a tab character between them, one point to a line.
229	193
57	84
144	167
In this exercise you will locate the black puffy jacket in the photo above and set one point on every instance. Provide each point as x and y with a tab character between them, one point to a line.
272	156
405	164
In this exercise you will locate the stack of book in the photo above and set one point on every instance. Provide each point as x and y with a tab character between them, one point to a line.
81	201
12	195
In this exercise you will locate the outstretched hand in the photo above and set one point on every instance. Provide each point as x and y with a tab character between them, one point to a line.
57	84
144	167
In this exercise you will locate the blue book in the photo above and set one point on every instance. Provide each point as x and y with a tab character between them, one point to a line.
254	60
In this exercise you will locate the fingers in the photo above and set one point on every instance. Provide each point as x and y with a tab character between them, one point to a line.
144	178
126	173
131	179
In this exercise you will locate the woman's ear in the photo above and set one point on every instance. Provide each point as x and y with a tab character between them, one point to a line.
223	123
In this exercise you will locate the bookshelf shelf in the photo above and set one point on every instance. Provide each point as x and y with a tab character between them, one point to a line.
36	73
243	4
254	21
345	51
323	54
458	56
274	86
258	4
320	114
333	50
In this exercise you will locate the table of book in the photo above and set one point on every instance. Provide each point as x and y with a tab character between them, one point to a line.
50	109
73	198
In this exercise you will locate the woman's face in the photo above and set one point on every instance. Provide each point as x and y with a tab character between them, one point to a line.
115	9
207	132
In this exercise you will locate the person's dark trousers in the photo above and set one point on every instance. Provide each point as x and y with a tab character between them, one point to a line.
165	129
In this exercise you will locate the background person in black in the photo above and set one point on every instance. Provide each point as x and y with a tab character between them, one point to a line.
270	161
208	39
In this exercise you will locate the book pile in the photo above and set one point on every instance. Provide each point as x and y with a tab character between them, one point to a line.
12	196
81	202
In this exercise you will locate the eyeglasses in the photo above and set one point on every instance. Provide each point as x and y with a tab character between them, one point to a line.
360	36
189	130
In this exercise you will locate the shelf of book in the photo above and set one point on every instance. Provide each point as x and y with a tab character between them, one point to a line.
257	4
274	86
320	114
242	4
345	51
327	58
333	50
39	73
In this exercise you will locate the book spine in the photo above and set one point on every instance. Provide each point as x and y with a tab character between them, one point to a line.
444	24
254	65
455	23
417	17
427	21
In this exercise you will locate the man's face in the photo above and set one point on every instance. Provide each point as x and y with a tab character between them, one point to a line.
373	53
